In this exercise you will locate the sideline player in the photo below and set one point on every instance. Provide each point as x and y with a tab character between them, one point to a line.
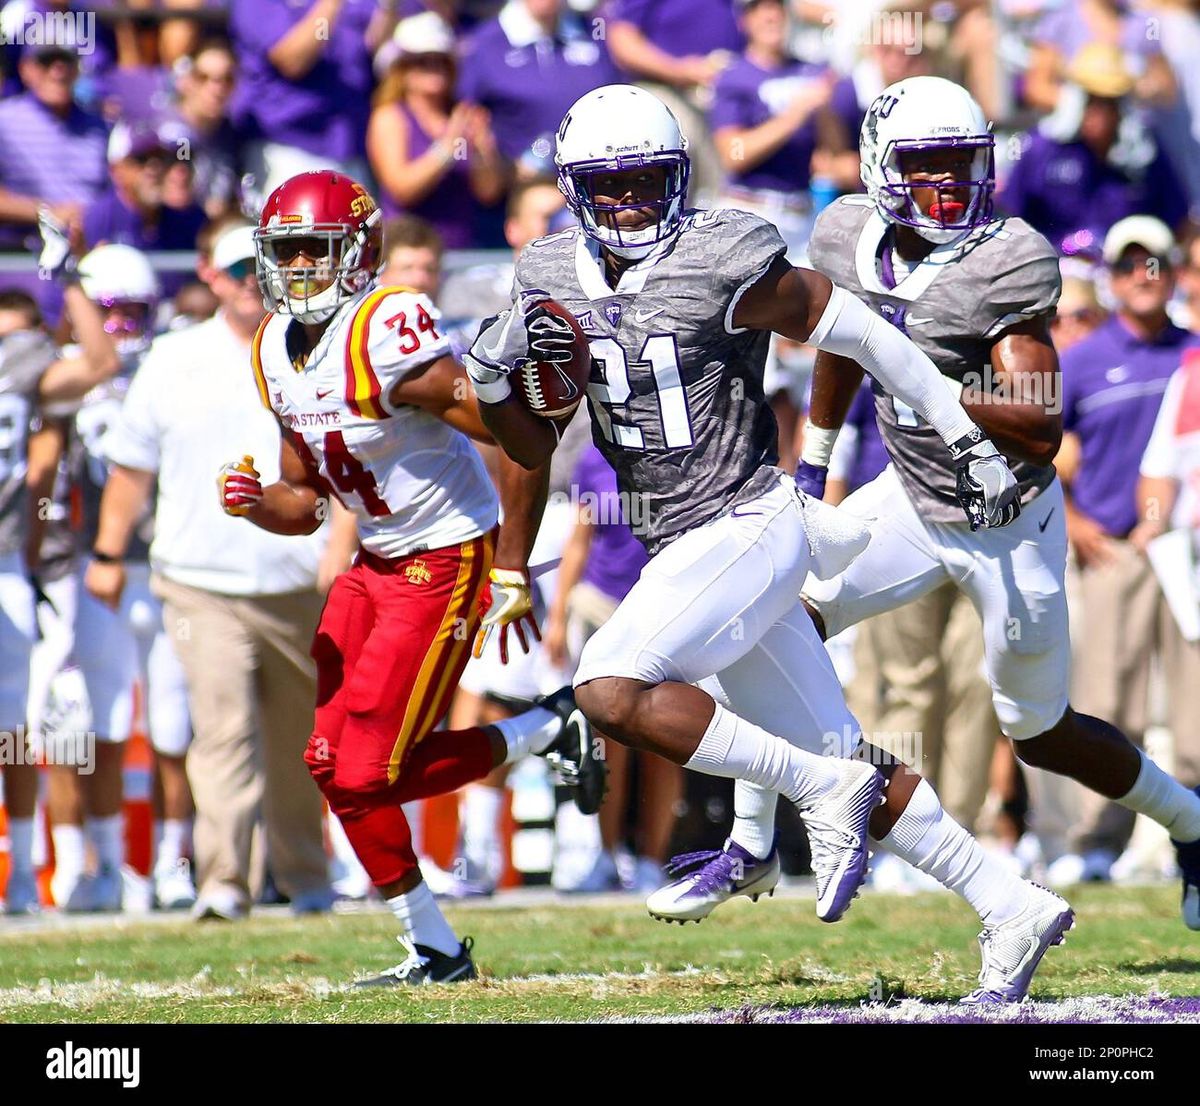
375	411
679	305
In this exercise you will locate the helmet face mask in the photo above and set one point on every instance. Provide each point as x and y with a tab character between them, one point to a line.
332	222
928	116
620	129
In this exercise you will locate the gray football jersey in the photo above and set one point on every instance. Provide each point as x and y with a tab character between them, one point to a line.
952	305
676	393
24	356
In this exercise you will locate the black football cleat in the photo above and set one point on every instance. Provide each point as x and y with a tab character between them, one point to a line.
577	758
425	966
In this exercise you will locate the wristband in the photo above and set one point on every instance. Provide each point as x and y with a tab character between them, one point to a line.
818	445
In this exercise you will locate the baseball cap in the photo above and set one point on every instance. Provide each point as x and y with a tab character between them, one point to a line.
135	139
236	244
1138	230
427	33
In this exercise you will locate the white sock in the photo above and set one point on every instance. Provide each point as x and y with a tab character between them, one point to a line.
107	836
934	843
20	845
735	748
1166	800
481	809
171	843
418	914
753	818
414	812
69	856
531	732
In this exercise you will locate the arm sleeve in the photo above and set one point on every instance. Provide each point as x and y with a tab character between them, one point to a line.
134	440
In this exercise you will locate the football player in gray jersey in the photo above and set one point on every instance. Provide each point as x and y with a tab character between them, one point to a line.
976	293
679	306
32	375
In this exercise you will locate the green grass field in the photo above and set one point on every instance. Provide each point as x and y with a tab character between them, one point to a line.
581	962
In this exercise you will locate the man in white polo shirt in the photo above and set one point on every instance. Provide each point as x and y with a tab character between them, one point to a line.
240	604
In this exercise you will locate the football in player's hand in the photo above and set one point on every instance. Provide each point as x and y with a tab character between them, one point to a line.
553	379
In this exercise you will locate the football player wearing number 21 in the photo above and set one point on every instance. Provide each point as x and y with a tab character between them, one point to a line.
373	409
712	660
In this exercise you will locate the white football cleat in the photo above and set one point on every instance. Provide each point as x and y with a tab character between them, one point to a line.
173	887
837	836
1012	950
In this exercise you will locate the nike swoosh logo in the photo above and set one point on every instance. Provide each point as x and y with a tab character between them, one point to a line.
646	316
914	319
1045	522
738	513
323	394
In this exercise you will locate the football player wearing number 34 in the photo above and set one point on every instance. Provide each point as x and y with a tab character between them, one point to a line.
711	660
374	410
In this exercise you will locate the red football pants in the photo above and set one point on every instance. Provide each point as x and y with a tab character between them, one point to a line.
390	648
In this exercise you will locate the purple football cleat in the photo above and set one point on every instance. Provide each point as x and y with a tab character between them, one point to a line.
704	880
1012	950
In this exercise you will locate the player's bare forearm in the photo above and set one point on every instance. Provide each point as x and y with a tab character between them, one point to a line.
126	493
289	509
443	388
1023	412
525	437
523	495
836	380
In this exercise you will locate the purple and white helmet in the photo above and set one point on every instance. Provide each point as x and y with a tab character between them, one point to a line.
612	129
927	113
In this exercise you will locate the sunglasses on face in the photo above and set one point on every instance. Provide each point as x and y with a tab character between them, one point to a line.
239	270
1126	266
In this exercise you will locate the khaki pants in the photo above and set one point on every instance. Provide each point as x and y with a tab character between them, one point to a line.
1126	625
919	684
252	691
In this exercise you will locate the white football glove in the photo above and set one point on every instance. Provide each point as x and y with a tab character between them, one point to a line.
56	260
985	487
507	601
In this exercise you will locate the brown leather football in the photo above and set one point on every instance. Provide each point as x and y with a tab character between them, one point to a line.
554	390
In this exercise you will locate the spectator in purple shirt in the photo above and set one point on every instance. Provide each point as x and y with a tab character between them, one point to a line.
526	67
133	211
770	113
51	152
677	49
1113	384
601	561
204	84
1081	173
304	85
432	158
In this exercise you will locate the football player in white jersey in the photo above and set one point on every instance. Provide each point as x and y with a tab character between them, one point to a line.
33	375
679	306
923	250
375	411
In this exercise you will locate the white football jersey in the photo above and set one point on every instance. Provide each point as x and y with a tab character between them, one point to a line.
413	482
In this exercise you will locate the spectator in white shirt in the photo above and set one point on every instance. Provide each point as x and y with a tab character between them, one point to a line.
1169	498
241	604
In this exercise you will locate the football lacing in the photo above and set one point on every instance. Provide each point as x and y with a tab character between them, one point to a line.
531	380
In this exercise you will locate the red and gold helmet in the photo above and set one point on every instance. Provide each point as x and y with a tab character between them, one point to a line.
336	225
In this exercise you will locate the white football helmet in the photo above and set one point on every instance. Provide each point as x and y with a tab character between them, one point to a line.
119	277
613	129
927	113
